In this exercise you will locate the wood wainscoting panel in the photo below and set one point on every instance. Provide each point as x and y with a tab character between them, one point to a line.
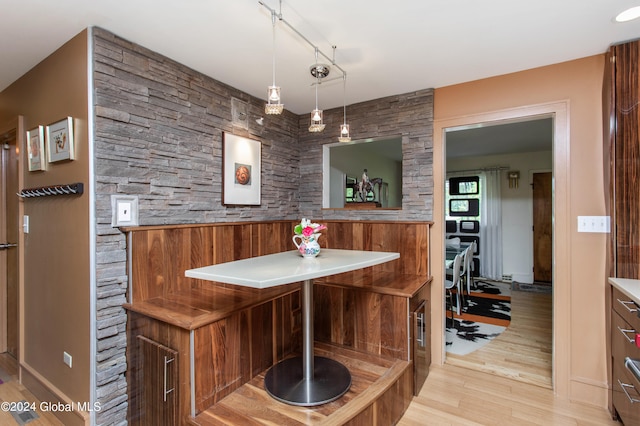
410	239
230	352
369	321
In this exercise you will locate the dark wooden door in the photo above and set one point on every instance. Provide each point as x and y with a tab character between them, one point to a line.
9	240
158	381
542	227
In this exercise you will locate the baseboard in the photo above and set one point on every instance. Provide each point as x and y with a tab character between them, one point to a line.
44	391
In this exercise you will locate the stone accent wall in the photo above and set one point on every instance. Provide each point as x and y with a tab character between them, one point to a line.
409	115
158	135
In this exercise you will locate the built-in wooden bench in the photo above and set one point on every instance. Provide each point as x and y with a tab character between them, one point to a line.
219	339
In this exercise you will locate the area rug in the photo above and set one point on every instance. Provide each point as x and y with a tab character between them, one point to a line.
546	288
488	303
469	336
486	314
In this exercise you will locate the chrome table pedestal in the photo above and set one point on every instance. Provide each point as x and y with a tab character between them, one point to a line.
308	380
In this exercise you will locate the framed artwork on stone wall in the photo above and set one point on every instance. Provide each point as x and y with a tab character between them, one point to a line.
35	149
60	140
241	170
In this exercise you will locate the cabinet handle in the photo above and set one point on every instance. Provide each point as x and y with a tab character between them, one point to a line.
421	330
166	392
625	303
624	333
624	387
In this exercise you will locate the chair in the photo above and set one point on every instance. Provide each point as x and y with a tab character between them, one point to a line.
454	282
467	276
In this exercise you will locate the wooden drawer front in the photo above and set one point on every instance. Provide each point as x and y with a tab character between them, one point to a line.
626	308
626	397
621	332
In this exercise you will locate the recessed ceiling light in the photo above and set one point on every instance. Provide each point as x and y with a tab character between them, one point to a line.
629	14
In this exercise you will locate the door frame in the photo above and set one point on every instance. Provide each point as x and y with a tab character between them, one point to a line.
16	125
559	111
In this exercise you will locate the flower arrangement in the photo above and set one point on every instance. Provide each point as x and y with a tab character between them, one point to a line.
306	228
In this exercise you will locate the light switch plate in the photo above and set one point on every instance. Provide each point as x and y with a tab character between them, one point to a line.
598	224
124	210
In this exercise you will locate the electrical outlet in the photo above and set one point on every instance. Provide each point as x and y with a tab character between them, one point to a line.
68	359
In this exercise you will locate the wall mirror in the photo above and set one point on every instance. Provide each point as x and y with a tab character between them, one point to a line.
347	185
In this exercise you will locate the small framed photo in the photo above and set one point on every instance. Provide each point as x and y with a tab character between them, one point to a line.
60	140
240	170
35	149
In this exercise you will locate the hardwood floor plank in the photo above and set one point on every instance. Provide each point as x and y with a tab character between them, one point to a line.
13	391
506	382
524	350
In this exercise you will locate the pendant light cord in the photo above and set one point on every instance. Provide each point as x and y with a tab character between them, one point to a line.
344	96
273	21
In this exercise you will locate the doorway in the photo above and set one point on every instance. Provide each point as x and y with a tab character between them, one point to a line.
487	337
9	277
561	227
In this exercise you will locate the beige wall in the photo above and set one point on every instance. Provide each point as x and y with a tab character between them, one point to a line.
56	305
571	92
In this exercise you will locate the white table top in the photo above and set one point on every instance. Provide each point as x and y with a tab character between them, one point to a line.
289	267
629	287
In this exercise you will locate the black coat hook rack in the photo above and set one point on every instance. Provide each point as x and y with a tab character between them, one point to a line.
46	191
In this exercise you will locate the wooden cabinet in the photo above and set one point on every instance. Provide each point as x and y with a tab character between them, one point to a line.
421	344
157	381
622	156
625	326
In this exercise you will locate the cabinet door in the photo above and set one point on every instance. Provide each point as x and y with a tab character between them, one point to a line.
420	345
157	381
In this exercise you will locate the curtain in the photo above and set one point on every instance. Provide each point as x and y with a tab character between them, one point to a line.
491	226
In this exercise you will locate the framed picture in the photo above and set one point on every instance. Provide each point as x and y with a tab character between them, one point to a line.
60	140
35	149
241	170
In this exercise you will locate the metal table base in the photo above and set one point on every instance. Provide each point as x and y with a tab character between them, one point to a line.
285	383
308	380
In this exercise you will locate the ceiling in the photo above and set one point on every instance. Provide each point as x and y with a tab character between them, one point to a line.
499	139
386	48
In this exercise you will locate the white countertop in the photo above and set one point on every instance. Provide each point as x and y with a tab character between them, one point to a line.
289	267
630	287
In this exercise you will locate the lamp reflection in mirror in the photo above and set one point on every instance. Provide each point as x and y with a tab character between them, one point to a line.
273	105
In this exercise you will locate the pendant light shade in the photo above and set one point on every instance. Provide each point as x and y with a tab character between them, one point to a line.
273	106
317	124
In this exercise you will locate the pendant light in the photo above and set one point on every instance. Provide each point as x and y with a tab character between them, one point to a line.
344	127
273	105
318	71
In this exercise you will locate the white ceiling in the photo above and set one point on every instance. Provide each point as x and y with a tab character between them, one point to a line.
386	48
499	139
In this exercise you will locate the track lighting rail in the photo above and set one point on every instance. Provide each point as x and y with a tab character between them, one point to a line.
284	21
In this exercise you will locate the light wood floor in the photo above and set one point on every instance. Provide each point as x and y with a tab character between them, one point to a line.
13	391
507	382
524	350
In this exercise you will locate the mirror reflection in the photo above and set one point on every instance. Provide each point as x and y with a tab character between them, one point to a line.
365	174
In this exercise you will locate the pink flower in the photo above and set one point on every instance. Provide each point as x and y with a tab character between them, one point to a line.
308	231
